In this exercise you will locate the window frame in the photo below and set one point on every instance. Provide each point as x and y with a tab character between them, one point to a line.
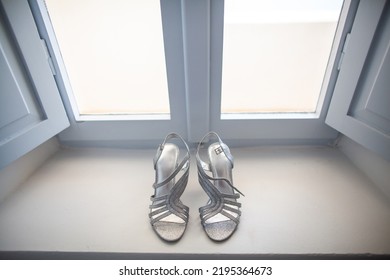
276	128
193	40
122	130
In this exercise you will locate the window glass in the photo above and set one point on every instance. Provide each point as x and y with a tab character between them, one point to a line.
114	55
275	54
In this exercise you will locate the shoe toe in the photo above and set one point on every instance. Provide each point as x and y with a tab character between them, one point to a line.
169	231
220	231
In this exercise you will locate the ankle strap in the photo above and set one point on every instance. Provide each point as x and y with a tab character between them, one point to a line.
202	165
161	148
224	148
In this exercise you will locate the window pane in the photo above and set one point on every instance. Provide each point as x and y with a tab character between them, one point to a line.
275	54
114	54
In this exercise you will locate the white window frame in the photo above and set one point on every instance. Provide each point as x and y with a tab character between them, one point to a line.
274	128
122	130
193	39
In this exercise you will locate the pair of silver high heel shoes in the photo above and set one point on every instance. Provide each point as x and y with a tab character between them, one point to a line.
168	215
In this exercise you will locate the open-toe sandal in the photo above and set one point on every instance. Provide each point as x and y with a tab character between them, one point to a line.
221	216
168	215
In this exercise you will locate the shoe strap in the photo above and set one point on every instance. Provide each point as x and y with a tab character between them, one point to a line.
184	164
202	165
162	145
224	148
170	203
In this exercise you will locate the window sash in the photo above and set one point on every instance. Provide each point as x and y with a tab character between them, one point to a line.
274	127
124	130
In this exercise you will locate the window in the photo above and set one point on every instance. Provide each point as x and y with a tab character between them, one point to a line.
275	54
114	58
124	128
275	126
194	47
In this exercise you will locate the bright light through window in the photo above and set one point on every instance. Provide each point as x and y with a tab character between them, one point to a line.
275	54
114	55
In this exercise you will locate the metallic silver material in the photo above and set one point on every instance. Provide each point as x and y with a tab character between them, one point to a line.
221	216
168	215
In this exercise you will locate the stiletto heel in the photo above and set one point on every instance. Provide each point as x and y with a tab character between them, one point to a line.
221	216
168	215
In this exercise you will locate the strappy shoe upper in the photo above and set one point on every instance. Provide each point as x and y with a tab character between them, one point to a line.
221	215
168	215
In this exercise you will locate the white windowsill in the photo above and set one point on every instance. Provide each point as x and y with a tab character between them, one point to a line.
299	200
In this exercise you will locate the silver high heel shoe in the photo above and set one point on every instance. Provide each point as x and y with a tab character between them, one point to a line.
168	215
221	216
